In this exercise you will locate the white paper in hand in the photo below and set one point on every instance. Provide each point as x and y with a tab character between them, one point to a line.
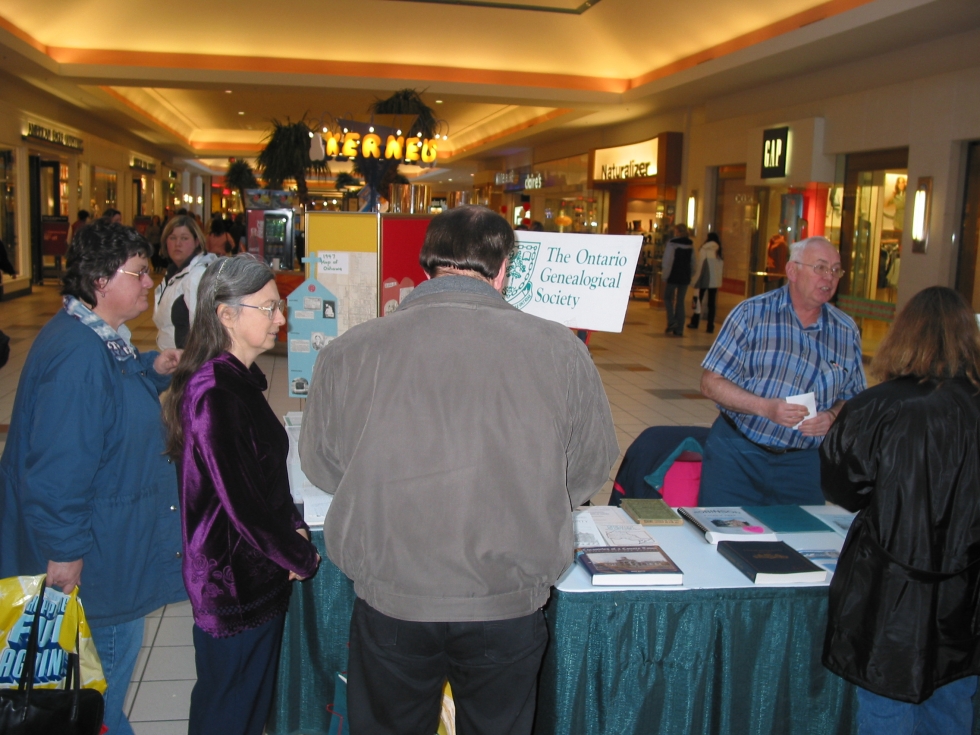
805	399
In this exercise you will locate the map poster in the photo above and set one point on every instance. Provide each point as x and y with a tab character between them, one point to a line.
313	320
580	281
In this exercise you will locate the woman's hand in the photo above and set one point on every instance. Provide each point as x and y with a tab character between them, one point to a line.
167	361
305	534
65	574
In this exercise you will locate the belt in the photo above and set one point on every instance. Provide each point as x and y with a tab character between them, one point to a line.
764	447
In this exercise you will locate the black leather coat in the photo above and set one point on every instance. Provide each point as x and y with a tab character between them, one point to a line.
902	618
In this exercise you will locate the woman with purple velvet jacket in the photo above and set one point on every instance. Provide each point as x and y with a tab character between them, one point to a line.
244	541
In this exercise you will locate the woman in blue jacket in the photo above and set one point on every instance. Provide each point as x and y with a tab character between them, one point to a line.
88	497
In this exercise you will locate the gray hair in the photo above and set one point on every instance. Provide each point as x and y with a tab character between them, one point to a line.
797	248
226	281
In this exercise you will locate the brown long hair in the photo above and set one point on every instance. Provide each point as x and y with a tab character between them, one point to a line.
934	337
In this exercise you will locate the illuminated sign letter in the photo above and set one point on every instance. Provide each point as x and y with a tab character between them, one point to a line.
350	144
429	151
412	149
371	146
394	147
332	141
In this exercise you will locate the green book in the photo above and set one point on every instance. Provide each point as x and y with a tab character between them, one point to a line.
651	512
786	518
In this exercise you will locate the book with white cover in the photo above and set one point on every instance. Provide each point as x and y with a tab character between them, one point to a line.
614	527
727	524
835	517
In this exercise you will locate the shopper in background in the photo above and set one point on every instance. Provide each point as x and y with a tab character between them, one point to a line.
78	224
244	540
707	278
153	232
906	454
113	216
677	264
88	496
175	297
219	242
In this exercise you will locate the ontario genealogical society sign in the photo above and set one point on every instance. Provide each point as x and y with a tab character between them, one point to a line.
581	281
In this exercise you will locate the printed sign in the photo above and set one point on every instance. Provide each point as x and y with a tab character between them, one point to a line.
581	281
312	326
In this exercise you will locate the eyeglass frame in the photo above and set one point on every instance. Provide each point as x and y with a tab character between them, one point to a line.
279	306
138	276
828	270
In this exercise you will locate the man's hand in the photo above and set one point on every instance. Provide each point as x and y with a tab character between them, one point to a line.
819	425
65	574
166	362
786	414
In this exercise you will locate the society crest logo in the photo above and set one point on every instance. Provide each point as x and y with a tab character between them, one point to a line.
520	270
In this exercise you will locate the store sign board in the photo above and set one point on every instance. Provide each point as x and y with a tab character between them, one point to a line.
637	161
55	137
580	281
140	165
775	152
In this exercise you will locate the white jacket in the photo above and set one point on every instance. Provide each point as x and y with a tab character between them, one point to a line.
182	285
708	258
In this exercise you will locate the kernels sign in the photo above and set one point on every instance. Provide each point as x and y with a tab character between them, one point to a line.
637	161
363	140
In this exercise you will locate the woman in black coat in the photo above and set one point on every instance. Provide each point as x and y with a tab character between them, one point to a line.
902	618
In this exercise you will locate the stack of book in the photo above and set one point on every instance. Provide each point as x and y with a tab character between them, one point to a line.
620	553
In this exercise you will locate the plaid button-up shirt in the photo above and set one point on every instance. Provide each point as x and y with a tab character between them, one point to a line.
764	349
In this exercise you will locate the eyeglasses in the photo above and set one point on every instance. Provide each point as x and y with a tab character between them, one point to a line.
143	273
270	311
823	270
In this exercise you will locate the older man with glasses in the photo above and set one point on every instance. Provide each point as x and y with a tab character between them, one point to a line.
785	344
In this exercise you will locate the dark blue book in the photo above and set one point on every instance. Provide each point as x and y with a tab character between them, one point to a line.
787	518
771	562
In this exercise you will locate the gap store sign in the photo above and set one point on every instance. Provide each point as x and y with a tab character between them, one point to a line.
637	161
775	150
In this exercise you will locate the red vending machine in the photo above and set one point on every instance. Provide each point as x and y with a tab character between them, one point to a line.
269	219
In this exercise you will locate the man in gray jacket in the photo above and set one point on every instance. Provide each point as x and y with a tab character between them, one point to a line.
456	436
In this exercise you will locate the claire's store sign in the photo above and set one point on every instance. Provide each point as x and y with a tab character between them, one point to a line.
52	136
775	151
637	161
580	281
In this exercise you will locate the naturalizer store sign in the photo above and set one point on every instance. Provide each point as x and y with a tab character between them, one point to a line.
637	161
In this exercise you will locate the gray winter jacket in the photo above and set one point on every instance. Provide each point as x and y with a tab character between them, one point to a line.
456	435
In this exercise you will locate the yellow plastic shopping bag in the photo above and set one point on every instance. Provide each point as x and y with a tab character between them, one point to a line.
61	617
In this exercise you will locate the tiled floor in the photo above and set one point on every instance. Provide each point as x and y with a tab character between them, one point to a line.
650	379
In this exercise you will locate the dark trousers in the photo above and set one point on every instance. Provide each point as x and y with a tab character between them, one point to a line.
709	315
674	296
397	670
735	471
235	680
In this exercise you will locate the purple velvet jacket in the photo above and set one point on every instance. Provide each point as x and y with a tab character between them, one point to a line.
239	522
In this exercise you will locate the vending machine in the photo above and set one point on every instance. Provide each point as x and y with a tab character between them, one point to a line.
269	217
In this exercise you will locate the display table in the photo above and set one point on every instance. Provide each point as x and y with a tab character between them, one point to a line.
728	657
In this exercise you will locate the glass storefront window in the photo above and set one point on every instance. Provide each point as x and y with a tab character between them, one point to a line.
967	282
104	195
8	204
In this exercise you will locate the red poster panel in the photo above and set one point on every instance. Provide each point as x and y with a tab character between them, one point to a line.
255	237
54	235
401	243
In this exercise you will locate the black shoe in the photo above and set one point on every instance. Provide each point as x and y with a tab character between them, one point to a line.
711	328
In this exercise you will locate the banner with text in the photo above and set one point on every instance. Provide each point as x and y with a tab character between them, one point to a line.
581	281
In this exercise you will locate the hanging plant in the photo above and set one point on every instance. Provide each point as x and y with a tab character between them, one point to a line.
287	156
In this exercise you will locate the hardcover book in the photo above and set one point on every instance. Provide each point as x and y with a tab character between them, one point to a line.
727	524
651	512
621	566
771	562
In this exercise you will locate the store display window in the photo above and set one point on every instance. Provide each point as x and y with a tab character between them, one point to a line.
104	190
8	204
968	272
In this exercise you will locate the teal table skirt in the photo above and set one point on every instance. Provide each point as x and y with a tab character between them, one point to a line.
618	663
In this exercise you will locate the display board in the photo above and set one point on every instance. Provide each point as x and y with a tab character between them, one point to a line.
313	310
580	281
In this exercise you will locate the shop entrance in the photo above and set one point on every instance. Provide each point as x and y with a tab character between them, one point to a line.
872	222
48	190
967	282
738	207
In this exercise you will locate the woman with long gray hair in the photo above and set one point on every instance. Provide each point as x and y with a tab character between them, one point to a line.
244	541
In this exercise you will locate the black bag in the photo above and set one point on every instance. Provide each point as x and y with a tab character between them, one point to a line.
68	711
